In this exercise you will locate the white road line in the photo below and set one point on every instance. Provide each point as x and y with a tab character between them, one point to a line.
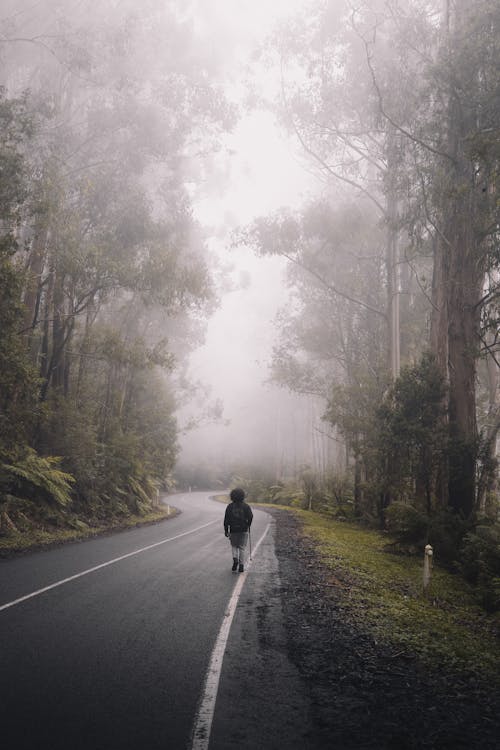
205	714
102	565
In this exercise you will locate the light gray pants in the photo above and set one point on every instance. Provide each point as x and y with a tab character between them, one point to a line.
238	543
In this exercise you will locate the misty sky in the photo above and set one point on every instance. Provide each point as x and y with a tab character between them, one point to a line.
263	171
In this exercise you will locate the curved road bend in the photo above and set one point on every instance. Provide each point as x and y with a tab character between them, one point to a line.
116	658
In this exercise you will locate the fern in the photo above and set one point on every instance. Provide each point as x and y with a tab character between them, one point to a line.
35	474
141	491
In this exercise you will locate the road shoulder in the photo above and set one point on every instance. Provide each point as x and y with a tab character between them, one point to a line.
300	672
262	700
367	695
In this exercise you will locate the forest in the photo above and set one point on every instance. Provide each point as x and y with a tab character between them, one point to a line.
109	118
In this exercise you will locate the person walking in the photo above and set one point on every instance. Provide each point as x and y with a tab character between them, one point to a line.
237	521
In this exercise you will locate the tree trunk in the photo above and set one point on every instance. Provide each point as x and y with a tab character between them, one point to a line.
84	352
34	272
44	356
358	493
394	356
57	364
457	285
464	293
487	480
392	260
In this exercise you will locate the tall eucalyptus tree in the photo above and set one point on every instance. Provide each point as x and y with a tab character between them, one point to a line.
124	102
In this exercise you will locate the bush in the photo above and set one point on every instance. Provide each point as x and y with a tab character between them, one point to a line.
480	563
446	534
412	529
407	525
36	478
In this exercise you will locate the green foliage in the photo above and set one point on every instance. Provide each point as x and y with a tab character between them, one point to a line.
353	409
427	159
411	435
22	530
446	533
16	128
285	493
36	478
412	528
71	432
18	377
255	481
331	495
480	562
141	493
113	260
122	473
408	525
383	593
338	496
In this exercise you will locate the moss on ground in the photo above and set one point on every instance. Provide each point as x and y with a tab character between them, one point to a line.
383	593
40	537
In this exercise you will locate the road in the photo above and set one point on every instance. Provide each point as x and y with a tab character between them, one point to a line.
117	658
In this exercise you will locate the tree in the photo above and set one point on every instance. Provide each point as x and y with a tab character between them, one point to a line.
424	120
18	382
331	104
411	436
454	210
122	105
332	338
468	212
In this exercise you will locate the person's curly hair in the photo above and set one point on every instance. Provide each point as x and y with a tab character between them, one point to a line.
237	495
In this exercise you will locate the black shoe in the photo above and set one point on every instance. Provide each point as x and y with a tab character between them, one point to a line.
235	564
240	568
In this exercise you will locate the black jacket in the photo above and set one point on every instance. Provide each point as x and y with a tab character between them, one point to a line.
238	517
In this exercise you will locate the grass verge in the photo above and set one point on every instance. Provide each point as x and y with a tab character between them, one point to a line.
383	593
36	538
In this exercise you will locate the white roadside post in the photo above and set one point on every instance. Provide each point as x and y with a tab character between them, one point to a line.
427	565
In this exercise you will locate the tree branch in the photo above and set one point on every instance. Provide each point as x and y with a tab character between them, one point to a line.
335	174
318	158
489	349
385	114
345	137
333	289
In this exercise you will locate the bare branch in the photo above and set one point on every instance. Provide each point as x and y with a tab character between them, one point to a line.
424	292
362	150
37	41
319	159
489	297
330	437
489	349
332	288
385	114
442	236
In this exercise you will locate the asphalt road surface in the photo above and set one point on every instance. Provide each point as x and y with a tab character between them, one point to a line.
117	658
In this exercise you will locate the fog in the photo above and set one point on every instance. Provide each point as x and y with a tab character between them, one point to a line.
262	424
226	231
235	359
248	169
